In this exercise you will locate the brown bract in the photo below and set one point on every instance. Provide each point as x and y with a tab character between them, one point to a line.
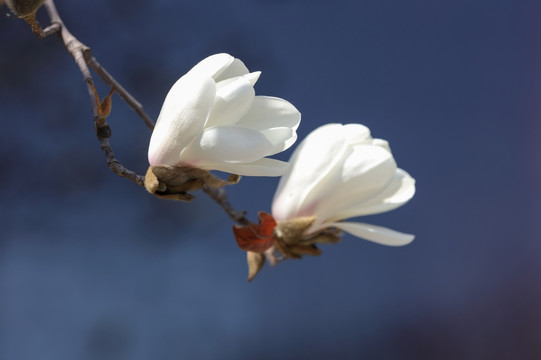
26	10
255	263
289	241
23	8
175	182
293	242
256	237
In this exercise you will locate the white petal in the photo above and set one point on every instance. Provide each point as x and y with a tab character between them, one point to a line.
317	171
234	69
281	138
226	144
251	77
261	167
381	143
355	134
213	65
366	171
374	233
304	185
270	112
232	102
398	191
181	118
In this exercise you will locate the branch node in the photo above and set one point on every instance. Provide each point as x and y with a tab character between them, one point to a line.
103	131
51	29
101	109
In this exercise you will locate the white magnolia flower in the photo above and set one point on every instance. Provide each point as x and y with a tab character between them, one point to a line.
338	172
212	120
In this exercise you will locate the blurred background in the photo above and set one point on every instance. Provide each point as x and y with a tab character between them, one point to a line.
93	267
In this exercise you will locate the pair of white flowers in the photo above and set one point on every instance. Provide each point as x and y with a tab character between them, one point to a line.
212	120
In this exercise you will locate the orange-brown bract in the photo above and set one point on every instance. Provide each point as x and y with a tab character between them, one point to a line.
256	237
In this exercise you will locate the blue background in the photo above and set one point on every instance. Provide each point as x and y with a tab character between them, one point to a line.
93	267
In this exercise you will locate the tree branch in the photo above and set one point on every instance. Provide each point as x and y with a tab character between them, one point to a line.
82	54
83	58
219	195
109	80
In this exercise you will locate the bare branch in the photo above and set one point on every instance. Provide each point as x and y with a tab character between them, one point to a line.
37	29
112	162
83	58
81	53
220	197
109	80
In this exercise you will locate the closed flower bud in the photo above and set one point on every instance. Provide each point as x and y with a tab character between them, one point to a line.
339	172
212	120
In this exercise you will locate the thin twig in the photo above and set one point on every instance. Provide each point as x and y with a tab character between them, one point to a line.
36	27
84	58
103	132
109	80
219	195
114	164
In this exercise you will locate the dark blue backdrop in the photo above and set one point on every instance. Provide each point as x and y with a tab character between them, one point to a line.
92	267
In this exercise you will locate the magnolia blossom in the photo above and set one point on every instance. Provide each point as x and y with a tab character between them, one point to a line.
212	120
339	172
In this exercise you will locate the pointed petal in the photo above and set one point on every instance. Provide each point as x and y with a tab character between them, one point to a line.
232	102
374	233
381	143
213	65
270	112
226	144
281	138
398	191
251	78
181	118
366	171
314	165
356	134
261	167
234	69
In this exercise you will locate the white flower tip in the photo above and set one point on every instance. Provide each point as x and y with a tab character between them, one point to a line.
382	143
213	65
405	240
377	234
253	77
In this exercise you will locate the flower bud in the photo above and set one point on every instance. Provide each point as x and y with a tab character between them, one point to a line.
211	119
340	172
23	8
